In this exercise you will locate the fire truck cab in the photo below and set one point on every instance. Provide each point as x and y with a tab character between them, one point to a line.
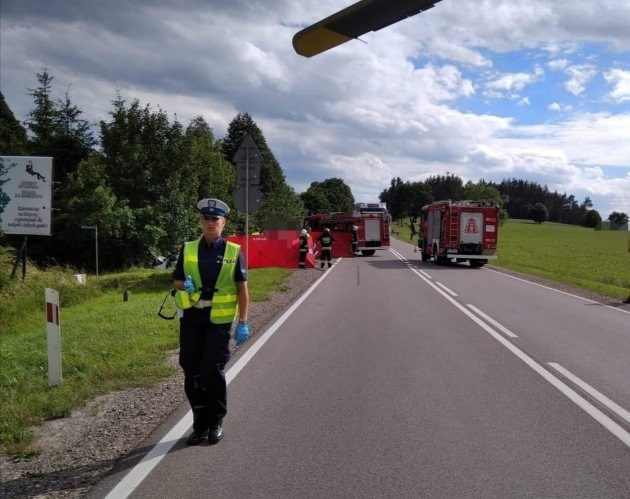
371	219
459	231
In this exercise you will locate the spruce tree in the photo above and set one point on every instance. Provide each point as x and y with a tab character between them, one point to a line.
13	140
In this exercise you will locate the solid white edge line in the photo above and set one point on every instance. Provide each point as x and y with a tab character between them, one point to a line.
557	290
489	319
582	403
141	470
616	408
452	293
247	356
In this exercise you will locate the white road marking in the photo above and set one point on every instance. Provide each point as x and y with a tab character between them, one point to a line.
401	257
141	470
489	319
397	254
616	408
571	394
452	293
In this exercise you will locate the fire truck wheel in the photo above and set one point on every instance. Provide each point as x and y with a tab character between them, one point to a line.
477	263
425	256
368	252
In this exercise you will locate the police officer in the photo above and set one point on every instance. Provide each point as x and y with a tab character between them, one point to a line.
303	246
210	277
326	240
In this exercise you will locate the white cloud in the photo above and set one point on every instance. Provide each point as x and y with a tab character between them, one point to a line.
558	64
455	52
510	85
558	107
580	75
621	82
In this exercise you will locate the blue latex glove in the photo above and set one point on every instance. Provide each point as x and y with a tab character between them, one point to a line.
241	334
188	285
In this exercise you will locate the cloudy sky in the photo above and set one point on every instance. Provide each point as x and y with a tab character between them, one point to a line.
536	90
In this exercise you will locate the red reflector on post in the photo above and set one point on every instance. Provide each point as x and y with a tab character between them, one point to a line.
52	313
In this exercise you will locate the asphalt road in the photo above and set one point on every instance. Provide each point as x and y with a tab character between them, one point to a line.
396	378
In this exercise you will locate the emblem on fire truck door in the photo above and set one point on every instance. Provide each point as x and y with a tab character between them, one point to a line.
471	227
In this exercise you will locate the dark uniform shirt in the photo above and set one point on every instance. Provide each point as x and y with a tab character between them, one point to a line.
210	260
304	242
326	239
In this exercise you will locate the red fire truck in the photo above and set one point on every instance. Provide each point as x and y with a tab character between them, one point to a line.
371	219
459	231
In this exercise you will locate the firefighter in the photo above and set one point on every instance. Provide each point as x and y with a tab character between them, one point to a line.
355	240
412	227
210	277
326	240
303	246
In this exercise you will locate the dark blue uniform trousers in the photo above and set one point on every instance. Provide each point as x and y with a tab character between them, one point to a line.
204	351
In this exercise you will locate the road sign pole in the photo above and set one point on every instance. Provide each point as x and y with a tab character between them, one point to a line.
247	196
247	208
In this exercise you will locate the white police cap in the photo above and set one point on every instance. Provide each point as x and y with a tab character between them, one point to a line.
212	207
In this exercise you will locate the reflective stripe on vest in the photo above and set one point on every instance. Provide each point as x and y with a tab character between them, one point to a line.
183	300
225	298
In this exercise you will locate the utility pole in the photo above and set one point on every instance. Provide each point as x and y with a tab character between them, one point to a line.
95	229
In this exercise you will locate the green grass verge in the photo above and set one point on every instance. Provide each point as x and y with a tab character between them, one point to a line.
107	344
596	261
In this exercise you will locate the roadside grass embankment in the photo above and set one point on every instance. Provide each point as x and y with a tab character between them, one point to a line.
107	344
596	261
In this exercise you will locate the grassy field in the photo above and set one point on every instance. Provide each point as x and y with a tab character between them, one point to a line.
108	344
597	261
594	260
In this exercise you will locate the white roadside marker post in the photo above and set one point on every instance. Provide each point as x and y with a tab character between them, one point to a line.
53	336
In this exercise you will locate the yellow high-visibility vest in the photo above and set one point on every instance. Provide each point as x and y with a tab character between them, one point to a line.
225	298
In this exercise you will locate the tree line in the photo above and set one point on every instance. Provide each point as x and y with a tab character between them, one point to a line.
140	177
517	198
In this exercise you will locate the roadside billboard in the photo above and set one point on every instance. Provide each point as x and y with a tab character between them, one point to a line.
26	195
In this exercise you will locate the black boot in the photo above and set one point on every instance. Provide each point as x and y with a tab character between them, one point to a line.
215	434
196	437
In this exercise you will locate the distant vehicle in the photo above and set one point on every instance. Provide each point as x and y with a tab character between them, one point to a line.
459	231
162	262
371	219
